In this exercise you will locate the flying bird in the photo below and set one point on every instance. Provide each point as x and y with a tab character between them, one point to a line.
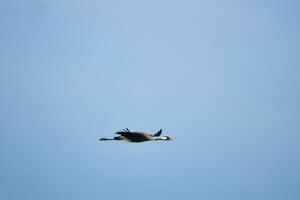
129	136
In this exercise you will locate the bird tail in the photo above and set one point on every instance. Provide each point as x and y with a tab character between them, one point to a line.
158	133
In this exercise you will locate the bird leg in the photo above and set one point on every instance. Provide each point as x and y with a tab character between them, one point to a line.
115	138
105	139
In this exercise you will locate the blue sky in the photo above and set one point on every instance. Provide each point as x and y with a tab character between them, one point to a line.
221	77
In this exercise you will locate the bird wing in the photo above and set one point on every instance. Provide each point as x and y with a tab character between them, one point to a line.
126	130
124	133
136	136
158	133
130	134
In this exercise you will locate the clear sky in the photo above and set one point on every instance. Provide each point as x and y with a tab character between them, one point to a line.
221	77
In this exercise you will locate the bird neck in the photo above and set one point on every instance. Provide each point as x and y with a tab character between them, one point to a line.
161	138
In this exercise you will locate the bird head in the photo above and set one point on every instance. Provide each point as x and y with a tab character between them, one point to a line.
166	138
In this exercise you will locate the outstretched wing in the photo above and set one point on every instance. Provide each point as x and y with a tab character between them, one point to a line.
125	132
158	133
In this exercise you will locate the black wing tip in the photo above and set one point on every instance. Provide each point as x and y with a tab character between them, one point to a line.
123	131
158	133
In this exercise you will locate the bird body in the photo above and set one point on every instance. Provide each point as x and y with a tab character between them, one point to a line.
128	136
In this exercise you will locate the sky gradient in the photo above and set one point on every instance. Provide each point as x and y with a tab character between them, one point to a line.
221	77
